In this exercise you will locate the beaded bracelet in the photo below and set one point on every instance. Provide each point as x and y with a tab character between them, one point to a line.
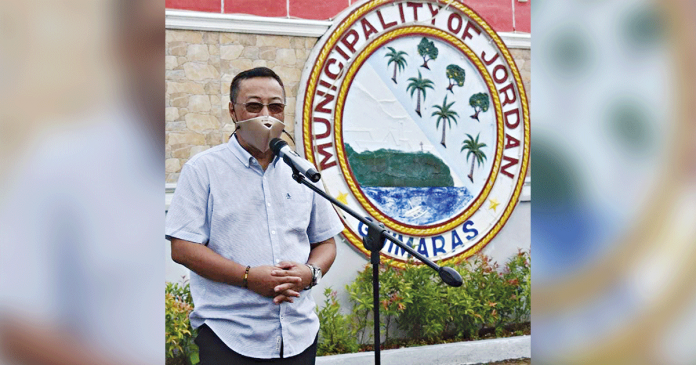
245	283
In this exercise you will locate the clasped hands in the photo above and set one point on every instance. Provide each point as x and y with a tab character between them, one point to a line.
282	282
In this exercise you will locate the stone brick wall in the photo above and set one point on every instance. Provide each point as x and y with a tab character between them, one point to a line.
199	69
523	59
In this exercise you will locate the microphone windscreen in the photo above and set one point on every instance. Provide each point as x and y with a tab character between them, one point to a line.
276	144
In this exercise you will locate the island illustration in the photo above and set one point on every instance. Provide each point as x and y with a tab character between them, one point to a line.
414	188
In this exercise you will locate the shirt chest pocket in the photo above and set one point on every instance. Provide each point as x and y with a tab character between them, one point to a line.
297	210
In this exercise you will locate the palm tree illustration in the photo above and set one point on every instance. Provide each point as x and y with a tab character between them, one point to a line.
446	115
480	103
455	75
428	51
474	148
396	57
419	84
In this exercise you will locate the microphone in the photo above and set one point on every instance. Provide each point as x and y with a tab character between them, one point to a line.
281	149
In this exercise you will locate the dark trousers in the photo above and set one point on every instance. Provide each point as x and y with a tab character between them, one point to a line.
212	351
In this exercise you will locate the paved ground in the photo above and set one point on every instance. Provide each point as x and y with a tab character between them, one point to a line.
495	351
511	362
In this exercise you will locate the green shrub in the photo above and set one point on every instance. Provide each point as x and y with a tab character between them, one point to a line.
517	288
394	297
427	314
360	294
482	288
464	321
179	335
335	333
426	309
490	299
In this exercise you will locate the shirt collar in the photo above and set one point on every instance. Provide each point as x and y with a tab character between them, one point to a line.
239	151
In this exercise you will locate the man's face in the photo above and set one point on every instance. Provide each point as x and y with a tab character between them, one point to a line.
264	90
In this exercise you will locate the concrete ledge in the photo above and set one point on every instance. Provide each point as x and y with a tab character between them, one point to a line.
472	352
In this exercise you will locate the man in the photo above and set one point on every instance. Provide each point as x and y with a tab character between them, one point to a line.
253	238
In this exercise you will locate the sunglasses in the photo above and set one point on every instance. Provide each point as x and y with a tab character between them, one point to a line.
255	107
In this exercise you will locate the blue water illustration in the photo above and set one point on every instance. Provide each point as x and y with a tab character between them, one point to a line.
419	206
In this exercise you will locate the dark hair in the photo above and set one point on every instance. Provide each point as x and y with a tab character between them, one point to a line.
248	74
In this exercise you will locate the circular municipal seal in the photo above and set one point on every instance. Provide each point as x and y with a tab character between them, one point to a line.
416	116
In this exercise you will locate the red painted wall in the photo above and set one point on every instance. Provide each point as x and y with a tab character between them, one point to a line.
523	16
313	9
213	6
269	8
498	13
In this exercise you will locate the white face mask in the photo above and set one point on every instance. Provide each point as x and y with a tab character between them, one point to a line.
259	131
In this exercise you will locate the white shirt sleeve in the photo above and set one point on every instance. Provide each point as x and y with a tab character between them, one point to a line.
189	217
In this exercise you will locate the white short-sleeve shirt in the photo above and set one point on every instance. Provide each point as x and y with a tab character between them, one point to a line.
224	199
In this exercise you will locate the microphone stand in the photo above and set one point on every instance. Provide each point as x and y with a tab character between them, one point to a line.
374	241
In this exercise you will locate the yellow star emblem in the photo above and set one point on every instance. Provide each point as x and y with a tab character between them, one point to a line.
343	198
494	204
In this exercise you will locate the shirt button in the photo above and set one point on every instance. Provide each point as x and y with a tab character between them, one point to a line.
268	204
277	261
272	232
